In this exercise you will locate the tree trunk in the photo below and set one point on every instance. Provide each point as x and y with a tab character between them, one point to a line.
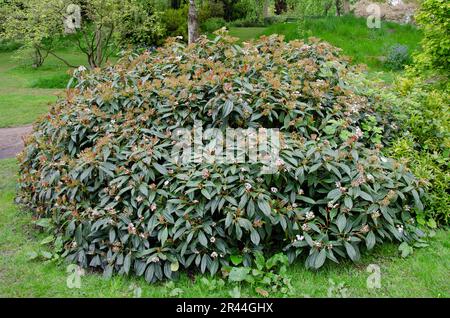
338	7
266	8
192	22
38	59
327	7
280	6
346	6
99	51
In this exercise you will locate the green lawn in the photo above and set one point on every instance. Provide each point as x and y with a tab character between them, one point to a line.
424	274
25	92
351	34
245	34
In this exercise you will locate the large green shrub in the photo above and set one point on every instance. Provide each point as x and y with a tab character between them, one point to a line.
212	24
175	21
141	27
210	9
434	18
412	123
423	140
97	163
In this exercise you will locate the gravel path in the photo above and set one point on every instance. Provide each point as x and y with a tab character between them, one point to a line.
11	142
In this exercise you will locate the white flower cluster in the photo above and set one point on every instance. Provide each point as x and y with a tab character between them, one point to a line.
376	215
365	228
332	206
340	187
131	228
154	259
358	132
310	215
279	162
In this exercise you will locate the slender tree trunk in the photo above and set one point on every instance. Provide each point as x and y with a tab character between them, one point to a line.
99	52
346	6
266	8
338	7
49	52
192	22
280	6
327	7
37	58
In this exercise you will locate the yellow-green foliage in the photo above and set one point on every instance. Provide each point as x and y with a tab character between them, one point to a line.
424	141
434	18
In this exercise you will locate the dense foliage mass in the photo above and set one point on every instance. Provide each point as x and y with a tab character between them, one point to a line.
96	164
98	30
424	141
434	18
411	122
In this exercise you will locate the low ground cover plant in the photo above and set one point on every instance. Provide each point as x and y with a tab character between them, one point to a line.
96	166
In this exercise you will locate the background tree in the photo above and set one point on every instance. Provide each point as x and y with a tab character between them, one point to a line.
39	26
319	7
192	22
266	8
36	24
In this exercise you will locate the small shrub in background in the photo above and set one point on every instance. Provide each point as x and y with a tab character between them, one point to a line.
252	13
55	81
210	9
141	27
175	22
212	24
9	46
275	19
397	57
97	164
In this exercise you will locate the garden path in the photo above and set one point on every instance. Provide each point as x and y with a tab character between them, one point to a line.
11	140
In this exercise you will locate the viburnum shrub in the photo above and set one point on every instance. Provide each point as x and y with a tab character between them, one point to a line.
97	165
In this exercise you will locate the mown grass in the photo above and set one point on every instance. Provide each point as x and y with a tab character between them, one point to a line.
19	109
25	92
363	45
351	34
55	81
245	34
424	274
